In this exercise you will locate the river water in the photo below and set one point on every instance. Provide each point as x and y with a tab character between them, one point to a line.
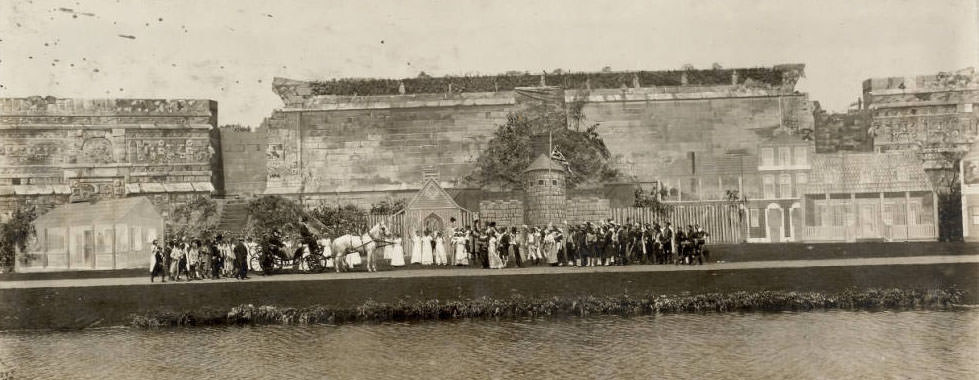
812	345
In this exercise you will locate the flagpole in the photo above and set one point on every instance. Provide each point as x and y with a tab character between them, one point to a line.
550	143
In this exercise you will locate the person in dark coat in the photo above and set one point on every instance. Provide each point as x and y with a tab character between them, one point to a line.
156	266
241	260
217	261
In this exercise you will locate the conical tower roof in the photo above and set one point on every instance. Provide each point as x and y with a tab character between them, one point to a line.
543	162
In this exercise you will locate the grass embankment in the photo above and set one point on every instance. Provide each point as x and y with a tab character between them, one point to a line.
559	307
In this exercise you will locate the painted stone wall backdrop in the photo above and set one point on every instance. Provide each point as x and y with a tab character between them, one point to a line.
654	139
378	144
244	156
335	144
589	209
505	213
105	148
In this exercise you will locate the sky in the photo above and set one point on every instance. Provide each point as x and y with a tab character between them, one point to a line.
230	50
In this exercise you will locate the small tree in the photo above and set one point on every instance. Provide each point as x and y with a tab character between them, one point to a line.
652	202
388	206
15	235
509	151
340	220
737	200
949	189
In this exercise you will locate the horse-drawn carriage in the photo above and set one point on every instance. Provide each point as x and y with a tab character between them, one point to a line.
309	256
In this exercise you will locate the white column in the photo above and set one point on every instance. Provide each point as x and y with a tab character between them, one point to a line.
934	216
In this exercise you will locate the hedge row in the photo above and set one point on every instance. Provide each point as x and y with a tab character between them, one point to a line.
507	82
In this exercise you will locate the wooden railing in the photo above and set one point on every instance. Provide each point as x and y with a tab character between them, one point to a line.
825	233
889	233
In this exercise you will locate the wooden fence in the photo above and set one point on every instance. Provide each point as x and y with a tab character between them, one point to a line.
723	221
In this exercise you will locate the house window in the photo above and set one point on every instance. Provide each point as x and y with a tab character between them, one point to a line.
967	107
754	215
122	238
15	181
554	182
768	187
540	182
784	156
137	238
785	186
55	239
800	157
822	217
801	179
975	215
767	157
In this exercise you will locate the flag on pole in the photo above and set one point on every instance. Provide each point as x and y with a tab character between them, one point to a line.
559	157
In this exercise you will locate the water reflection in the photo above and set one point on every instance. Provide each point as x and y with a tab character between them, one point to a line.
916	344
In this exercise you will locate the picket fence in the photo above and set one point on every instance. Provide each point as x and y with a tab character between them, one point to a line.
723	221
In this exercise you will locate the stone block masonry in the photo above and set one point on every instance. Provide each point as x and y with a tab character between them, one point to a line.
544	197
334	144
506	213
587	209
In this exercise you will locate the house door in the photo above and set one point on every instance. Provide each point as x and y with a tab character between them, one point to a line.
869	228
795	218
774	222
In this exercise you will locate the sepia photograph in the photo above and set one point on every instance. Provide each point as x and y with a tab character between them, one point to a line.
489	189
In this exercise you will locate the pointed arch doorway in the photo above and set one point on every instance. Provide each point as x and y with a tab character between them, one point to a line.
433	223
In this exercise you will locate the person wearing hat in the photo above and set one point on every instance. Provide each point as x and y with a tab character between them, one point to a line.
241	259
666	238
156	262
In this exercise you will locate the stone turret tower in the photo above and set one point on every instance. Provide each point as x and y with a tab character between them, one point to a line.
545	192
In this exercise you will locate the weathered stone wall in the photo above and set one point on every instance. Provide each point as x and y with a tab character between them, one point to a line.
906	120
380	144
334	144
244	155
105	148
505	213
587	209
654	139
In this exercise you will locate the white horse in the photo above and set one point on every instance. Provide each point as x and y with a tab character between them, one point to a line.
353	244
342	246
364	244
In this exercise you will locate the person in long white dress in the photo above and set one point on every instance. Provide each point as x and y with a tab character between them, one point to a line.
461	256
440	256
388	248
397	253
416	248
494	255
427	257
550	245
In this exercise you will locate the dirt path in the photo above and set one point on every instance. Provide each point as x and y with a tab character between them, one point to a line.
409	272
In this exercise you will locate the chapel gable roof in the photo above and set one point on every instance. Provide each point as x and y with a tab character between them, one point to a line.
432	196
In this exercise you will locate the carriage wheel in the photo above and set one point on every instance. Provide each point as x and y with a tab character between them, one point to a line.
313	264
254	264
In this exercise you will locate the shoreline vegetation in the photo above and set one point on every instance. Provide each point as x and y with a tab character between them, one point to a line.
516	307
